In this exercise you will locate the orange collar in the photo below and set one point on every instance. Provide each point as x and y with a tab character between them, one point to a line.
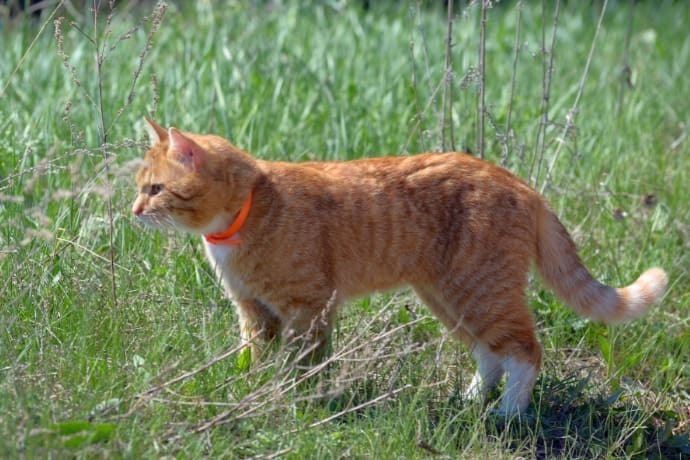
227	237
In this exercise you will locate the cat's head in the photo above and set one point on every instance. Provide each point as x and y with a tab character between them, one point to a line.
191	181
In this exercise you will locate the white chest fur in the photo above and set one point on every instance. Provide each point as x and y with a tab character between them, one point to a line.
221	259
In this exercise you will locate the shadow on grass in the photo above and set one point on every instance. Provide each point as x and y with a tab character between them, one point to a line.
569	421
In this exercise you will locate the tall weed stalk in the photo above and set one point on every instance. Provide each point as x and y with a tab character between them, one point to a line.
102	45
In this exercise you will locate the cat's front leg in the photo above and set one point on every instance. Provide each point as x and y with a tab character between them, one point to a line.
307	328
259	326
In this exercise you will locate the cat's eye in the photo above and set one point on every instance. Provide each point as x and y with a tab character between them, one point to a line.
155	189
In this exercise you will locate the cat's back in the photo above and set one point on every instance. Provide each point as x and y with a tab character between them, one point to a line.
424	180
431	172
386	167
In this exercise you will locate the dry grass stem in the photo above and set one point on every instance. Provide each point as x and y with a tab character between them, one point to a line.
516	54
30	48
482	79
572	112
626	72
447	95
547	73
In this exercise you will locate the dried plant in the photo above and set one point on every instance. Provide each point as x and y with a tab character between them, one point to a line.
103	44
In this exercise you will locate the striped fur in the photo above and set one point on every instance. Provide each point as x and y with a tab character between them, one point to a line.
561	268
462	232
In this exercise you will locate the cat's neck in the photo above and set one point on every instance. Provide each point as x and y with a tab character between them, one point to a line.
230	236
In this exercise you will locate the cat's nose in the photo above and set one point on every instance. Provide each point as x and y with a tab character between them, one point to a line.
137	208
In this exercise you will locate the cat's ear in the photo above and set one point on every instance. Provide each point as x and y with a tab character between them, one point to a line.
185	150
155	132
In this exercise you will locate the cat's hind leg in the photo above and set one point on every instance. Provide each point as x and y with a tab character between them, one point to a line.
520	357
490	369
511	336
522	375
495	320
489	363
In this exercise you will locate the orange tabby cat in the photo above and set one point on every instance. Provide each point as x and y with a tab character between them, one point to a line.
293	241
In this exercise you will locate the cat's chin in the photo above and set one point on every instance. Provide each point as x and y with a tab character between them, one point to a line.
217	224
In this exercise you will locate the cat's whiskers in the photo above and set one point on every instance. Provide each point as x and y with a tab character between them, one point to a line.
157	220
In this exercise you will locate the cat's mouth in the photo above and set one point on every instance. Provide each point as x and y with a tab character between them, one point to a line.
156	220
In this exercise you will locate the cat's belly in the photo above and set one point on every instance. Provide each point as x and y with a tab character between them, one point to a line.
361	287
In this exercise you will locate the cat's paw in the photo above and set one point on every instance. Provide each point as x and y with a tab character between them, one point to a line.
512	414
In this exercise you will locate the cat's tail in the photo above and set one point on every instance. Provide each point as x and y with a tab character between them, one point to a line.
562	269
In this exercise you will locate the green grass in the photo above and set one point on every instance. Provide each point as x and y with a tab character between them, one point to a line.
319	82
